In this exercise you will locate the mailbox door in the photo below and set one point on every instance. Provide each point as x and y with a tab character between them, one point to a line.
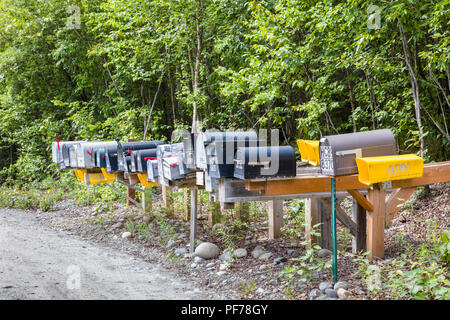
189	149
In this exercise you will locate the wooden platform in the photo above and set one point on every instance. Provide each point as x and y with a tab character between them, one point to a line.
371	214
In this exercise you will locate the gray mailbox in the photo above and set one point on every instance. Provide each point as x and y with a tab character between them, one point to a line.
338	152
152	170
86	155
189	149
60	153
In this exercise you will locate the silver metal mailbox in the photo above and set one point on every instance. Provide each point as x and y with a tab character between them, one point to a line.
152	170
83	153
162	151
338	152
189	150
60	153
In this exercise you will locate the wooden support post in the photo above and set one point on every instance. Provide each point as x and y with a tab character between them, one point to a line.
132	194
359	217
193	233
214	213
325	227
147	199
311	219
242	211
186	204
275	210
166	199
375	223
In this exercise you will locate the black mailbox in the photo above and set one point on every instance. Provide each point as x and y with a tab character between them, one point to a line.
100	155
111	162
338	152
215	151
265	162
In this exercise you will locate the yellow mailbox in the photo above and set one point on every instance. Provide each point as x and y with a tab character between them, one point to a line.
93	177
386	168
309	151
143	180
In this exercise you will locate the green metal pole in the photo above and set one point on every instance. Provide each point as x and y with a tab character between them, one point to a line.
333	228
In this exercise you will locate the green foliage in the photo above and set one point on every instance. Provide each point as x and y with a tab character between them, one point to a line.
296	217
307	265
419	273
307	67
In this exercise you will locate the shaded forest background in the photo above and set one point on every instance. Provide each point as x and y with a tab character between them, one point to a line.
140	68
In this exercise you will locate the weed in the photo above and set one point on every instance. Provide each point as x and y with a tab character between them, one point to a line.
247	287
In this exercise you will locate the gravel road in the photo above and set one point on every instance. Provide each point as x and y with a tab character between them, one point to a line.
40	263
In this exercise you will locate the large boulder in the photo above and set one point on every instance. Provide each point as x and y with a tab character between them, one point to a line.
207	250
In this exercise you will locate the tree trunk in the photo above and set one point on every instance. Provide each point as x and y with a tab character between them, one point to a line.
414	85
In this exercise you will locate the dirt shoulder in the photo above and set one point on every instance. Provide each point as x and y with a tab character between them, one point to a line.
42	263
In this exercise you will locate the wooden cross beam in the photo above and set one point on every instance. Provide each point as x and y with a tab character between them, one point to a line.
432	173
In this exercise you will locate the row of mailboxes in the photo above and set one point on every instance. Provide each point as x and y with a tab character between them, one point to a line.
240	155
126	148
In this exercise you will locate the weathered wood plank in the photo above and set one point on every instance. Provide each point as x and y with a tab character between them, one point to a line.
375	223
361	200
275	211
432	173
311	219
359	217
341	215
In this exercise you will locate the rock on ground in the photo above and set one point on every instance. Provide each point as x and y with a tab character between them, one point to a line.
240	253
207	250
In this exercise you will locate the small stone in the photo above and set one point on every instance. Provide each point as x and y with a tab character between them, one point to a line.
198	260
221	273
226	256
265	256
170	243
279	260
314	294
146	219
342	293
262	267
240	253
272	282
331	293
325	285
260	291
324	253
210	265
257	252
180	251
322	297
223	267
217	226
126	235
117	225
341	284
194	265
207	250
